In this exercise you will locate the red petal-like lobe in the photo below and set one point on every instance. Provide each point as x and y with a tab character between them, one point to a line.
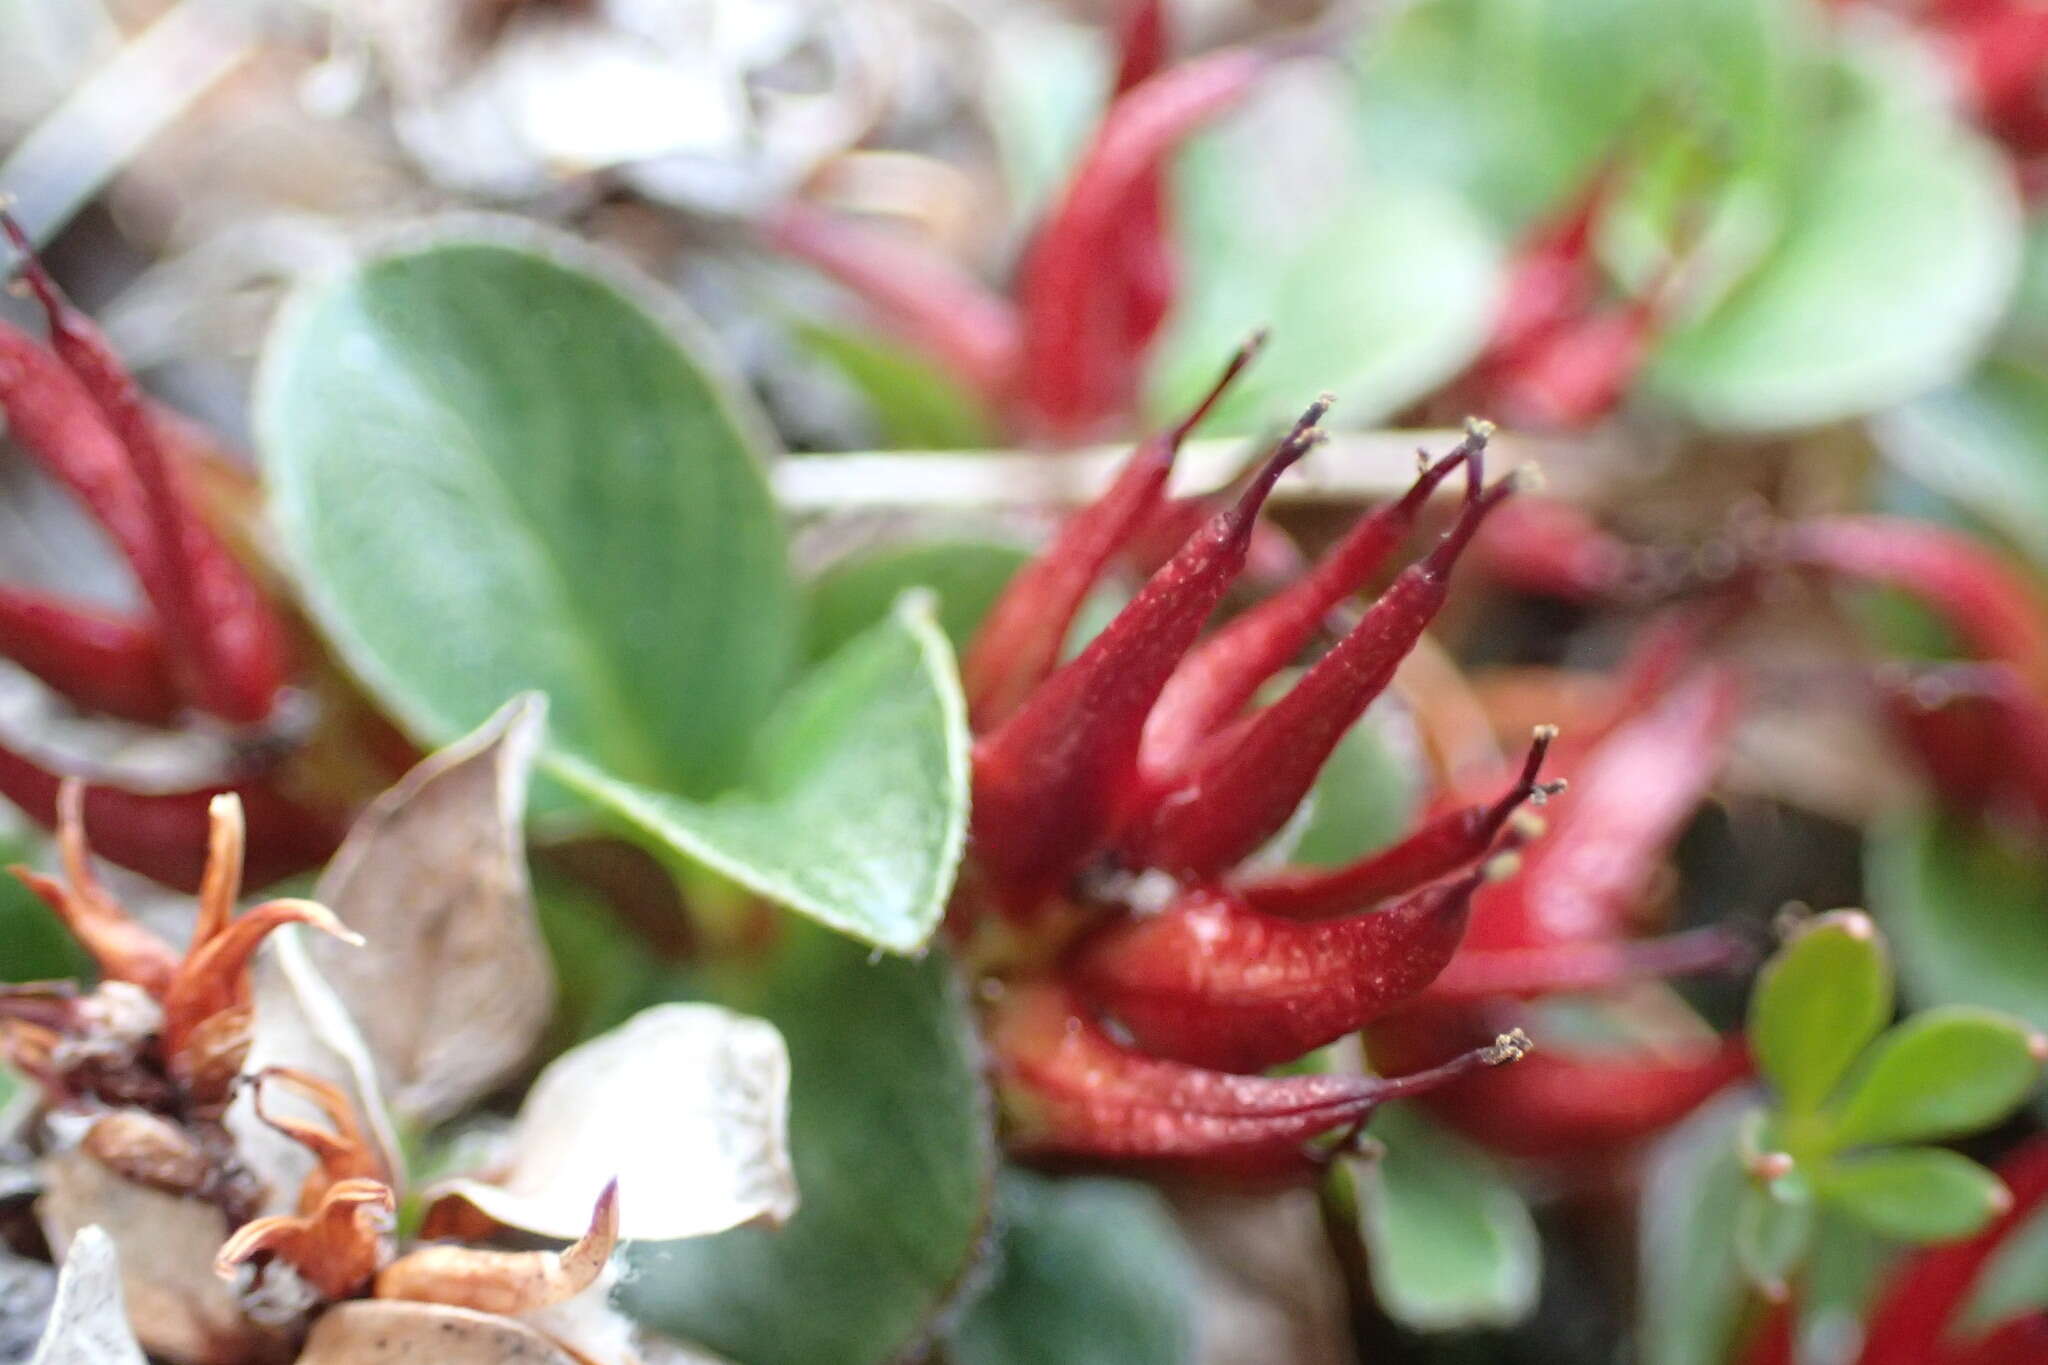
1049	779
94	659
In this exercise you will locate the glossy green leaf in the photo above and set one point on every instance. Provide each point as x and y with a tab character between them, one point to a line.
1450	1241
854	808
1692	1288
1900	246
1916	1194
1817	1002
1374	297
1962	910
1980	444
1774	1228
915	404
853	593
495	470
1087	1272
895	1163
2013	1281
1944	1072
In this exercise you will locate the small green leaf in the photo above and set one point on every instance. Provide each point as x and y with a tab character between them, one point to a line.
1963	912
1773	1229
2013	1282
1692	1288
1089	1272
1818	1001
855	807
916	405
1947	1071
1451	1242
1917	1194
495	471
895	1163
855	592
38	948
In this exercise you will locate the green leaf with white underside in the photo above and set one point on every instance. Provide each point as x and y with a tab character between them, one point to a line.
496	470
855	592
1692	1294
1818	1001
1916	1194
854	808
1947	1071
1088	1272
1773	1229
895	1158
1450	1241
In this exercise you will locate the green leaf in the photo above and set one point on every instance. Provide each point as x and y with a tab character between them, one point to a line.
1692	1288
1089	1272
916	405
1451	1242
1963	913
1917	1194
495	471
1773	1229
855	592
1818	1001
1947	1071
895	1162
38	947
1363	799
2013	1282
1377	297
1979	444
855	806
1900	246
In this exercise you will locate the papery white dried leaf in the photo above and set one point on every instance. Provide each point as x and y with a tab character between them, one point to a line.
591	1327
180	1310
300	1022
89	1322
453	985
687	1105
394	1332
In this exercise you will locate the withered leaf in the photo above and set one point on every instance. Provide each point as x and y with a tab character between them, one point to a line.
687	1105
391	1332
454	985
89	1321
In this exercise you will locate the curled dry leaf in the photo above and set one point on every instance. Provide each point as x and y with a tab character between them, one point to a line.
685	1106
89	1322
180	1310
393	1332
454	986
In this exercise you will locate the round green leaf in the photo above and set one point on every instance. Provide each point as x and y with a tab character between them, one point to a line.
1692	1288
895	1163
1451	1241
1088	1272
854	805
1364	798
855	592
495	470
1917	1194
1817	1002
1980	444
1375	296
1950	1070
915	404
1900	247
1773	1229
1963	912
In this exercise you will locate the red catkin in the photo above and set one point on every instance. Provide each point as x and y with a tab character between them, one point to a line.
1048	780
1242	790
1219	677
